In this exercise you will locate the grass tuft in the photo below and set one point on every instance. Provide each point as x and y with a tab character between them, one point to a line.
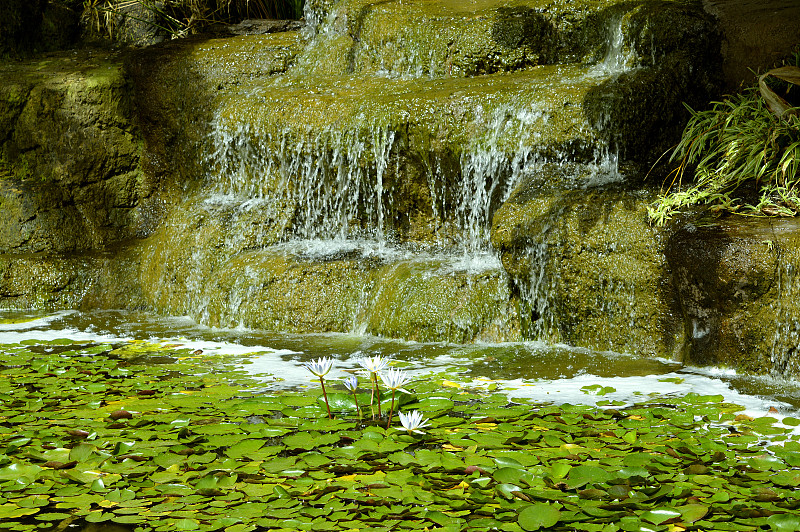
179	18
743	157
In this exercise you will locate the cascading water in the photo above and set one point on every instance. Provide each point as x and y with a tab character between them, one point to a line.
619	56
356	190
787	330
346	179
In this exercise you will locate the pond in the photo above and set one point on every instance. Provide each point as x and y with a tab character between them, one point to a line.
544	373
127	419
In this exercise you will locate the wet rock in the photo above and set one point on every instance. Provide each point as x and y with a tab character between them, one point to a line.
736	282
177	85
216	262
675	61
756	35
179	180
70	154
44	282
450	38
589	269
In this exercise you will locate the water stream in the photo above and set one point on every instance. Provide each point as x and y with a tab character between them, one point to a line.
546	373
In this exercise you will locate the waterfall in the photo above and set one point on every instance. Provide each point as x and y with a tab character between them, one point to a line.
334	178
787	326
619	56
342	181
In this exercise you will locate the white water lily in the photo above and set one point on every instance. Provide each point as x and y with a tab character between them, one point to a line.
374	364
320	367
413	421
351	383
394	378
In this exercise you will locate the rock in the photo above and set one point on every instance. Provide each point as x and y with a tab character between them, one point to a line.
757	35
72	153
180	178
229	275
737	287
589	269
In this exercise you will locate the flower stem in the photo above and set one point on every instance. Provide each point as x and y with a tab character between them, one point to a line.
391	412
377	393
372	395
358	408
325	395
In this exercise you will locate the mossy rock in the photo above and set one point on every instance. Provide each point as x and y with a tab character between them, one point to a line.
736	280
178	84
67	139
589	269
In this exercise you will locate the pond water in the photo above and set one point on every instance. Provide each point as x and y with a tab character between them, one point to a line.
547	373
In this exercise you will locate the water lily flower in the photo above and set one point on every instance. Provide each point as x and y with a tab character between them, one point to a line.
320	368
351	383
393	379
374	365
413	421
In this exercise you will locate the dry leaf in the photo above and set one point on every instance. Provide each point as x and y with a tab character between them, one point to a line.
776	104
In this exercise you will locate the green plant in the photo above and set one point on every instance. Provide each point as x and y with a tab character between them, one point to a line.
178	18
157	438
748	144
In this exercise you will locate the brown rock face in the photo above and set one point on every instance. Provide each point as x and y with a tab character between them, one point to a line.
736	286
756	34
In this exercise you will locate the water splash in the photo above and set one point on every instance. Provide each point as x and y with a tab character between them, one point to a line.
620	56
340	182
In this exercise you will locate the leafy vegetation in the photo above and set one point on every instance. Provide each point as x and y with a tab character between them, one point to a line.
138	435
182	17
744	153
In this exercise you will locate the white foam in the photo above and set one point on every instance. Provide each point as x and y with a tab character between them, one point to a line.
43	321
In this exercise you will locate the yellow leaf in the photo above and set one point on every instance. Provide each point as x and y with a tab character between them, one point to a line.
451	384
776	104
787	73
448	447
486	426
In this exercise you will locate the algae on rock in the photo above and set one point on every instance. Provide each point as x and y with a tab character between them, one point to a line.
405	127
589	270
67	139
738	292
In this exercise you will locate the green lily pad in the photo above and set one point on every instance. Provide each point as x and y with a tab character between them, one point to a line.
539	515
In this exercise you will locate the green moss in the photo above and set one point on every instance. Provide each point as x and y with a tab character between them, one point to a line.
421	301
448	38
589	270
